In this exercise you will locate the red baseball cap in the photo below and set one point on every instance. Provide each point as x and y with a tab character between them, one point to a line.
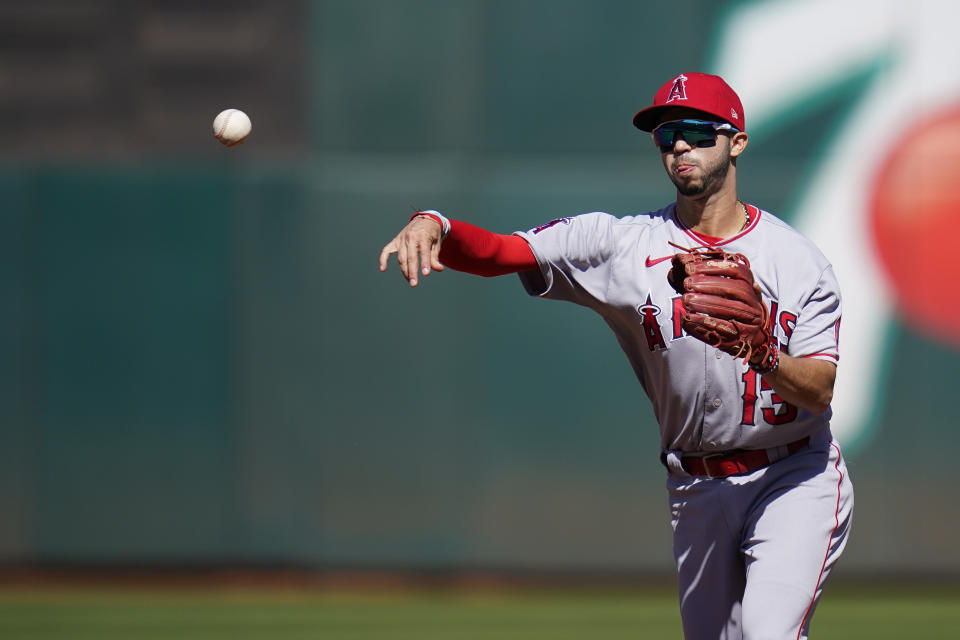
699	91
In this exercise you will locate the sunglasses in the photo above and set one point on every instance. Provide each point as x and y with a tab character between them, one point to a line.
696	133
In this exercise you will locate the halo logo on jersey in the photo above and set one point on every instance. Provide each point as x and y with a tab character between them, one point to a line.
651	328
679	89
552	223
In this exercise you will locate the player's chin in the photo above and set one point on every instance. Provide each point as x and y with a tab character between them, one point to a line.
689	186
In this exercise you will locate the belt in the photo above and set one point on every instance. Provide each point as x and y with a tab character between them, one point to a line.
734	463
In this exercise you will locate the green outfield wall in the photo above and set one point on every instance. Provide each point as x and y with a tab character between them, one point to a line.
203	364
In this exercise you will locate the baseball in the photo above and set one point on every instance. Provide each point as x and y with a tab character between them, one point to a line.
231	127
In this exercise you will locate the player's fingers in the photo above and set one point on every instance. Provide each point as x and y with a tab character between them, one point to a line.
409	260
426	256
435	257
390	247
402	259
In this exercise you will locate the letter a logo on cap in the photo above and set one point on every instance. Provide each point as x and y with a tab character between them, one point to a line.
679	89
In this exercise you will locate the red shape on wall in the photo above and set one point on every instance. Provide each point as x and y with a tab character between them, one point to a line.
915	223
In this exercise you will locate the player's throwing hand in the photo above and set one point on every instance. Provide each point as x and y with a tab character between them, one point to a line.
417	245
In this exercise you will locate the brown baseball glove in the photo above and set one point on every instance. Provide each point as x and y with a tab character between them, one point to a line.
722	305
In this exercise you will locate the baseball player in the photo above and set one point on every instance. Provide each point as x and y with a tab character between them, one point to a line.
730	319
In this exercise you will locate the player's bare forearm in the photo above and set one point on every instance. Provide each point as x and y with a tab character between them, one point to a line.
804	382
417	247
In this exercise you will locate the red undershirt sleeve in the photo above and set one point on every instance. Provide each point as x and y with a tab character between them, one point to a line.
470	249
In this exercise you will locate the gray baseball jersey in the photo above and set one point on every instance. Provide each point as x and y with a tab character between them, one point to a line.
752	551
704	400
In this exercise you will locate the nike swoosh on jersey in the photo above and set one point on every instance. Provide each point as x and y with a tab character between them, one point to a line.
654	261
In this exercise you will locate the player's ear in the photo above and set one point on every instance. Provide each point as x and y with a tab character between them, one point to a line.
738	143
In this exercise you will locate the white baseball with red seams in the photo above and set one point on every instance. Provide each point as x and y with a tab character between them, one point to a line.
783	525
231	127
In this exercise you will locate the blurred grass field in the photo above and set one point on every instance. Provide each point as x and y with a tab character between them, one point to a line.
61	613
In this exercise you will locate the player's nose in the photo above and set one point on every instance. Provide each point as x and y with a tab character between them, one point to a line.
680	145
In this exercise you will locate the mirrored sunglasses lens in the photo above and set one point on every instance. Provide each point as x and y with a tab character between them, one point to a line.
694	134
664	136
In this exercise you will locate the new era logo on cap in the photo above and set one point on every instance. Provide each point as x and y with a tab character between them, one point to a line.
700	91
